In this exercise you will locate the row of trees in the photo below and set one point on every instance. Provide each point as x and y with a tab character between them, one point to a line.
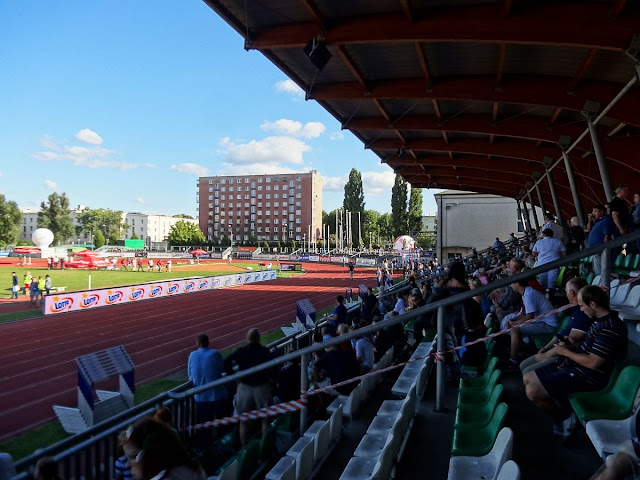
377	228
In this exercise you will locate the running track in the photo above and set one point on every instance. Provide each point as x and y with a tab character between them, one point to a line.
37	357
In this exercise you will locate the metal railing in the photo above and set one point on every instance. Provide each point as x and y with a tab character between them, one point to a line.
93	457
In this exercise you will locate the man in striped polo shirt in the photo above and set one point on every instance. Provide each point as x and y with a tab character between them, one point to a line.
587	367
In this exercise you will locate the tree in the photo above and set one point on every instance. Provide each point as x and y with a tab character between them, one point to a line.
331	221
134	236
399	207
109	222
371	227
414	215
384	227
185	233
354	203
183	215
98	239
55	215
10	220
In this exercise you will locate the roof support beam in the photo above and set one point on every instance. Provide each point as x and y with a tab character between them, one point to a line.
481	23
502	53
423	64
315	12
582	69
619	6
531	90
406	9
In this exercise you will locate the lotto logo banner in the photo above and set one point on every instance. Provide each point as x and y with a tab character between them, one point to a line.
78	301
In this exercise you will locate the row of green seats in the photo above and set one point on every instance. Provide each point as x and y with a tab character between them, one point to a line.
543	339
480	415
614	402
625	264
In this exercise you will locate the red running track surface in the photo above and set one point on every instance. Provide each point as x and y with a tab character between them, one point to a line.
37	357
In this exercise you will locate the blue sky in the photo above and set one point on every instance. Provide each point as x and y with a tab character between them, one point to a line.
123	104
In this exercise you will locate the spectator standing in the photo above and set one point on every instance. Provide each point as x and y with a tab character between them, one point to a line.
601	229
587	367
576	236
63	260
634	212
26	280
15	288
549	222
352	267
619	209
548	249
498	246
33	291
49	263
41	289
55	261
339	313
204	366
47	285
254	391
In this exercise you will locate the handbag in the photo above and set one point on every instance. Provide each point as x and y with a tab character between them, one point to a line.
15	288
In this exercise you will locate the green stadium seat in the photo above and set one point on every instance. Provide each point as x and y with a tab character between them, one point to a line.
248	459
268	444
613	404
482	380
473	442
478	415
542	340
479	394
469	372
619	262
589	278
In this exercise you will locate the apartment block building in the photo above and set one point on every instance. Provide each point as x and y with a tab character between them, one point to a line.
268	208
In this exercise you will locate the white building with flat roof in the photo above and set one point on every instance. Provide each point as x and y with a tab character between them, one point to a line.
30	223
151	228
469	219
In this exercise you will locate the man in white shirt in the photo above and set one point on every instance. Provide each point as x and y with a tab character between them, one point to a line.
534	304
546	250
549	223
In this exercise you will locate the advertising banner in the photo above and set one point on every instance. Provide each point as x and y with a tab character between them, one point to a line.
370	262
314	258
74	301
325	258
304	258
282	257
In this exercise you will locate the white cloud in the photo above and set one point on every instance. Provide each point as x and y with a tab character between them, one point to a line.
292	128
191	169
290	87
89	136
149	165
89	157
47	142
141	201
50	184
377	183
333	184
269	150
336	136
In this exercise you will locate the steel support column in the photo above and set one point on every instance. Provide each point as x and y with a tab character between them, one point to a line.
304	386
602	162
554	197
540	197
440	362
527	219
533	211
520	215
574	188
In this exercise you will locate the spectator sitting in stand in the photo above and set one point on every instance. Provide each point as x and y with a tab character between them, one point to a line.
338	365
534	304
587	367
46	469
155	451
573	333
365	351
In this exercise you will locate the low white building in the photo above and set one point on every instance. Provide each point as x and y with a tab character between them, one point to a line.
151	228
30	223
429	223
468	219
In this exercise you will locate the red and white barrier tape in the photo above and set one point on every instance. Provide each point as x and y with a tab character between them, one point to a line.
296	405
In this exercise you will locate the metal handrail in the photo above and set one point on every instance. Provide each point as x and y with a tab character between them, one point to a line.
169	398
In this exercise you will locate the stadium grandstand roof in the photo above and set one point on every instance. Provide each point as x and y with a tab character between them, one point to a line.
467	94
